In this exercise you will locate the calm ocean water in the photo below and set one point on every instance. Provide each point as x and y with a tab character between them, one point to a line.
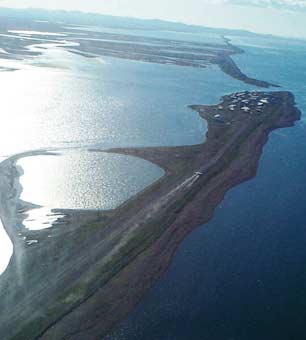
242	276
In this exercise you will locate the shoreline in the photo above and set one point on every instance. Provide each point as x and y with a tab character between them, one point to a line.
128	46
11	206
220	57
99	266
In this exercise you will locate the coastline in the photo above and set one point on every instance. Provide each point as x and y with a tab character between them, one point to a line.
128	46
209	55
12	207
154	261
101	276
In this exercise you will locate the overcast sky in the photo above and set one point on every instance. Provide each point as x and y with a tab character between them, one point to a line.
282	17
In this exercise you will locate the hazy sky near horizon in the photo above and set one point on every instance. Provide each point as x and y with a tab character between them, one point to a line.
281	17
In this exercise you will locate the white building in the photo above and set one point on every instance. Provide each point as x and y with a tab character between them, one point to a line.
245	109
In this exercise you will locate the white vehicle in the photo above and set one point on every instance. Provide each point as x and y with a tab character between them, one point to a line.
198	173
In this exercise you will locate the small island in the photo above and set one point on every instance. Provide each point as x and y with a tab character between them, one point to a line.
88	272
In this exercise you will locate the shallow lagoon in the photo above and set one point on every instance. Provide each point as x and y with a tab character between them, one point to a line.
80	179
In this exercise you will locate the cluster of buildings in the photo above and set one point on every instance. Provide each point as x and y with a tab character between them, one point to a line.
248	102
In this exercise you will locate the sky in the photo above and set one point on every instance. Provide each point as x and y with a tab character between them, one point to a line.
280	17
